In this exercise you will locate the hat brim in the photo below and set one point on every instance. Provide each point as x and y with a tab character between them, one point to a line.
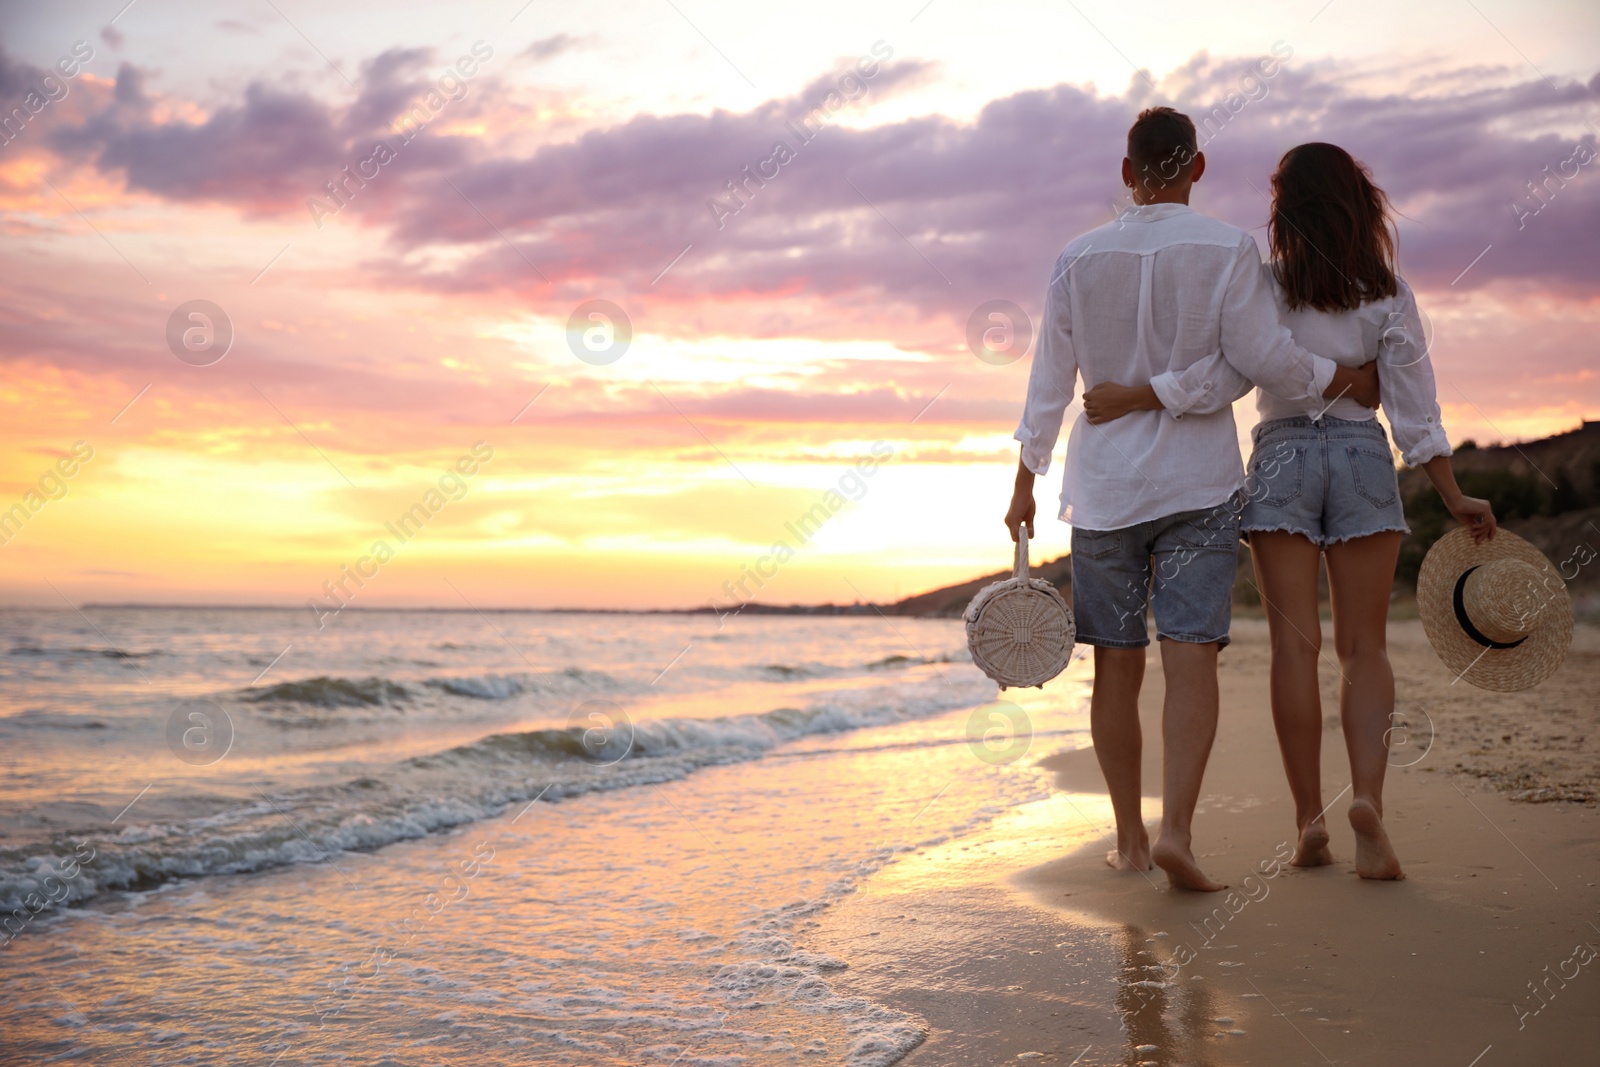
1503	670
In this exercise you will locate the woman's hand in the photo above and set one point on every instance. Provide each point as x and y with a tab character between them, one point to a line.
1475	514
1108	401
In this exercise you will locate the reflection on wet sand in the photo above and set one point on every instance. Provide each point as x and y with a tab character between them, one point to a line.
1168	1020
1000	976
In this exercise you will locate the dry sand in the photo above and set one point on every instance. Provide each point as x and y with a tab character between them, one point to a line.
1020	946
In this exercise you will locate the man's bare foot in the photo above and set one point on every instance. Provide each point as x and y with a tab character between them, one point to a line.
1134	860
1132	852
1312	849
1182	871
1375	857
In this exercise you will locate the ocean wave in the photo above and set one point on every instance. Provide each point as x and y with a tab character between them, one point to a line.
785	672
480	687
35	717
741	736
325	692
108	653
794	671
568	681
426	794
898	662
331	693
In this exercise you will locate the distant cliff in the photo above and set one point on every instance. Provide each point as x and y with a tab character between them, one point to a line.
951	601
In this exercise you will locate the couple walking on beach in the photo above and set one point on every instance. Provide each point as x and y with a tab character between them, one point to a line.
1169	316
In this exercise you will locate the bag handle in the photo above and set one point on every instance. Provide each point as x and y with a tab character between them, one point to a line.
1022	551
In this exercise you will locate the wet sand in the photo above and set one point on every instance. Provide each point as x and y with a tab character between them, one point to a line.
1019	945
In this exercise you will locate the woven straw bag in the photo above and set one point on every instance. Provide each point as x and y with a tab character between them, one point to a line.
1020	631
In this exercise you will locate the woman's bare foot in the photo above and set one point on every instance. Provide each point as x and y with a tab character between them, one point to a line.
1375	857
1183	872
1312	849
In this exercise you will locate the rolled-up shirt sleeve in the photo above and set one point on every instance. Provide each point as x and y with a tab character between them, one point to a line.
1406	385
1053	378
1259	346
1205	386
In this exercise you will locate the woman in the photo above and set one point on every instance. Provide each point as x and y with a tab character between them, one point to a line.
1324	483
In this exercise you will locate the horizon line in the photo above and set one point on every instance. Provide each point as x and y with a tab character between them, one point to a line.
706	610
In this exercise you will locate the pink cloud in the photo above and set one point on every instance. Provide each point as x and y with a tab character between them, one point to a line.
893	231
926	213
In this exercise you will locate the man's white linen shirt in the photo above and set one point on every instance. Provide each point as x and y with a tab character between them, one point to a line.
1145	298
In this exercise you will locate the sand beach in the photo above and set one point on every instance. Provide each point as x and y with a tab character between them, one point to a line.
1020	945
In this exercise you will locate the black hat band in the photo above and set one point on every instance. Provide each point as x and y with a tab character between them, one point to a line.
1466	623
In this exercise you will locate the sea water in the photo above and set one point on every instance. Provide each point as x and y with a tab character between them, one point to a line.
418	837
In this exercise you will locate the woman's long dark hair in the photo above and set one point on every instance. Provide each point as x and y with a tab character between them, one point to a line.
1330	233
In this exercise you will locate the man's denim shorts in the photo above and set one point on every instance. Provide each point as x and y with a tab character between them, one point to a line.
1330	480
1185	564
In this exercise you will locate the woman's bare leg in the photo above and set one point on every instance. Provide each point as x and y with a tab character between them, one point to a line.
1286	573
1360	577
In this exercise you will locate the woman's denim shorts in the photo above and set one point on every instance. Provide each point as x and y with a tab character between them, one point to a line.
1328	479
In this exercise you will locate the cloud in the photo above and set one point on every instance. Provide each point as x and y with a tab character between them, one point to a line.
872	223
939	215
549	47
265	154
17	78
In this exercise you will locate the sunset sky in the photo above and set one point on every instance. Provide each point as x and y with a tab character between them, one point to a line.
576	153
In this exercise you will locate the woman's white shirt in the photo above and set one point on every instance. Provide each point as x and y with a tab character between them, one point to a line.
1389	330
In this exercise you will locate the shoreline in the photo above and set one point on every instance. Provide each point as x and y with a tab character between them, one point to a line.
1022	941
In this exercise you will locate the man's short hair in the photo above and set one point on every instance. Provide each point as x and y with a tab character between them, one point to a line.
1161	144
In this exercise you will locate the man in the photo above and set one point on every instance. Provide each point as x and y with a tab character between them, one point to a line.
1153	498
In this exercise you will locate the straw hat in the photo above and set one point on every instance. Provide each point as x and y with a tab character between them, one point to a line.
1498	613
1019	630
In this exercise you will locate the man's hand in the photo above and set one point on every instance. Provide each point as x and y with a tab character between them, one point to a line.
1108	401
1021	511
1022	506
1358	383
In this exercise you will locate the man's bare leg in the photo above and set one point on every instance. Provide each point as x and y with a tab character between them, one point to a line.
1118	744
1188	727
